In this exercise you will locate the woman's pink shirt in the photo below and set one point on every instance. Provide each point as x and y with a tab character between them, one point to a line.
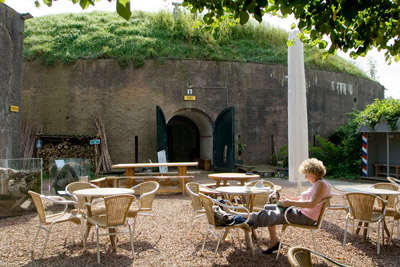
314	212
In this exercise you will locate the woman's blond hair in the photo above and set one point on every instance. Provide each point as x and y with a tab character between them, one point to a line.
313	166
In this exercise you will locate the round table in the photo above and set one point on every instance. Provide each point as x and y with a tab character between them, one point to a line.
235	176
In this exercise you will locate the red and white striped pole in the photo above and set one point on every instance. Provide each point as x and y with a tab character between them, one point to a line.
364	155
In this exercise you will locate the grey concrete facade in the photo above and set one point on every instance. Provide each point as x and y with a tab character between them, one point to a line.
63	97
11	48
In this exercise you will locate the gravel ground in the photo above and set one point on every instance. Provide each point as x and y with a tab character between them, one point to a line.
178	245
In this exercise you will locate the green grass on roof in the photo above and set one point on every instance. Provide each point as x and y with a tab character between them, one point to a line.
105	35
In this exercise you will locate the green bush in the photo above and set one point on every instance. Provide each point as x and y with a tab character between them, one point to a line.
341	152
281	156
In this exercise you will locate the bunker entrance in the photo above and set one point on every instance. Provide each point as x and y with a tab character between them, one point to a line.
183	139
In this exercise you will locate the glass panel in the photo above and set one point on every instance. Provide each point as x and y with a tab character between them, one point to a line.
17	177
65	171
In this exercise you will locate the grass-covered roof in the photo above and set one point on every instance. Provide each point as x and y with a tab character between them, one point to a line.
100	35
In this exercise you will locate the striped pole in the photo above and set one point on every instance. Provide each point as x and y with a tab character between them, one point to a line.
364	155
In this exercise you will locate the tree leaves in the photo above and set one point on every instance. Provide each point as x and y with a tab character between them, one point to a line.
244	17
124	9
357	26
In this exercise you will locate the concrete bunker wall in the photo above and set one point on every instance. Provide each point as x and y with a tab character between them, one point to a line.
63	97
11	47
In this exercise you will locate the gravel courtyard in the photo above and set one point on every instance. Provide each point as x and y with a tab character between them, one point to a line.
178	246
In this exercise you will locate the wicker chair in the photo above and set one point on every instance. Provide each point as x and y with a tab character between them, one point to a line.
260	200
193	191
340	205
317	226
208	203
147	192
301	257
115	216
48	220
392	207
72	187
394	181
362	211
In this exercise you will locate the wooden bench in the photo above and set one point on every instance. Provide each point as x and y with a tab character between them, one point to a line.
381	170
191	173
245	168
204	164
168	184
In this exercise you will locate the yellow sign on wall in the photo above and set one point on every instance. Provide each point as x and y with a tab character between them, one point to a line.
14	108
189	97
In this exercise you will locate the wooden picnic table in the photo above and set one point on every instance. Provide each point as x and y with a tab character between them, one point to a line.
130	167
235	176
167	181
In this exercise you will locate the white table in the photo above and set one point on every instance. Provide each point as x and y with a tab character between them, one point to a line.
374	191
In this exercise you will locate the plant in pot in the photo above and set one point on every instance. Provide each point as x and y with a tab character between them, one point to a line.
240	147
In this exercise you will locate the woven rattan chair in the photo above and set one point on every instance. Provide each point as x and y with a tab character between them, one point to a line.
260	200
391	208
215	230
98	209
47	220
198	210
72	187
302	257
394	181
147	192
115	216
336	203
313	228
362	212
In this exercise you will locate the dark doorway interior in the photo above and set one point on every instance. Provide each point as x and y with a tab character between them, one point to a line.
183	140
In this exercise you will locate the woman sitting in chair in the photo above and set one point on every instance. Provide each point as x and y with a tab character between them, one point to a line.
307	209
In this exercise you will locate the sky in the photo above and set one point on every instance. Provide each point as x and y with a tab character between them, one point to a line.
387	75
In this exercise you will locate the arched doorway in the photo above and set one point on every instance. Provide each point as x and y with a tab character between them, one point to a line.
188	132
183	139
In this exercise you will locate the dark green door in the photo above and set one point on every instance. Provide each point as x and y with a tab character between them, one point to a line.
161	131
223	141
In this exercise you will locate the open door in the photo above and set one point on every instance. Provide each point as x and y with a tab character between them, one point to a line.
224	141
161	131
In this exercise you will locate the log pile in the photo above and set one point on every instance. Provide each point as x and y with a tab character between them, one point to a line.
66	149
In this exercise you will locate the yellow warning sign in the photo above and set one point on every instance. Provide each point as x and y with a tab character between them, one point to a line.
14	108
189	97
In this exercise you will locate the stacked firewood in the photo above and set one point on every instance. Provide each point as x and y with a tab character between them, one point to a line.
66	149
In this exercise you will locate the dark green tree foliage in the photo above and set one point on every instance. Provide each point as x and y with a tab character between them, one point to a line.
351	25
